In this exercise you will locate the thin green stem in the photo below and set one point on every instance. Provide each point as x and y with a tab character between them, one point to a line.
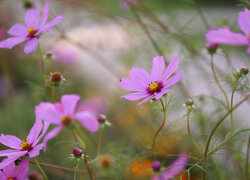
99	141
247	159
162	125
80	173
190	135
44	174
232	122
218	82
202	16
53	93
41	57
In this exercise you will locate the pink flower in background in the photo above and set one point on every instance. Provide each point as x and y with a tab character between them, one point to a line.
96	105
174	169
21	148
62	114
154	85
225	36
10	173
32	31
65	54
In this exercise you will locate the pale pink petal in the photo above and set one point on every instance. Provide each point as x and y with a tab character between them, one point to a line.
87	120
10	169
35	150
135	96
173	65
12	158
11	42
69	103
131	85
52	23
225	36
145	100
31	45
45	15
173	80
34	132
158	95
22	169
9	152
140	75
244	21
50	135
157	69
10	141
45	128
32	17
18	30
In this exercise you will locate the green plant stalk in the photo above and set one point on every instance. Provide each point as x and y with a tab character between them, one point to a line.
191	137
202	16
44	174
99	141
218	82
162	125
41	57
247	158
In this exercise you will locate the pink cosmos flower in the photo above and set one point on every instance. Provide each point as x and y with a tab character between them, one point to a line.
10	172
62	114
32	31
225	36
29	147
174	169
154	85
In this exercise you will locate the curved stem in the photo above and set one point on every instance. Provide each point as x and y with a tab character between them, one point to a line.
44	174
41	57
162	125
99	141
218	82
190	135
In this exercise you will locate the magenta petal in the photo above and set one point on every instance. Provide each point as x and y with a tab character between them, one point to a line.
173	65
145	100
45	128
140	75
10	169
50	135
35	150
157	69
2	176
32	17
45	15
11	42
9	152
69	103
31	45
131	85
225	36
52	23
244	21
34	132
18	30
10	141
158	95
87	120
12	158
135	96
173	80
22	169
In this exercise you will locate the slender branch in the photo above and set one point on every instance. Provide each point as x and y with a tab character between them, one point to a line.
41	57
99	141
38	165
202	16
247	158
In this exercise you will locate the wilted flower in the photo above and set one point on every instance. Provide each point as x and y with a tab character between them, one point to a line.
10	173
21	148
56	78
225	36
32	31
174	169
154	85
62	114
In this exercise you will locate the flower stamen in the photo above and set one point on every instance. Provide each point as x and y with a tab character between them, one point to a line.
11	178
66	120
25	146
32	32
154	87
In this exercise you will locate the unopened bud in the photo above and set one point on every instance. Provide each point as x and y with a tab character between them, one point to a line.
77	152
56	79
212	47
189	102
101	118
244	70
156	166
27	4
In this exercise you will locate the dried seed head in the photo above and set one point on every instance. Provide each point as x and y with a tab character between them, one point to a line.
56	79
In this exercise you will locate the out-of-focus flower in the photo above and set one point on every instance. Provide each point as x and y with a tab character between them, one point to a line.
32	31
105	161
102	118
211	48
154	85
174	169
95	104
21	148
56	79
225	36
140	168
10	173
33	175
62	114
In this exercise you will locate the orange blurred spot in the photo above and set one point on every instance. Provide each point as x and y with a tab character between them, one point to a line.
140	168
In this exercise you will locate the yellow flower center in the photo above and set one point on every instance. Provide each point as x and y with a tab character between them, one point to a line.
153	87
32	31
25	146
11	178
66	120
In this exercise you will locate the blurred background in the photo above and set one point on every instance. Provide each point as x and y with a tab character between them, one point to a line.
97	44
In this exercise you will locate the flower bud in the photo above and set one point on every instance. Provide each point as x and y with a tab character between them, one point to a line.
244	70
189	102
56	79
101	118
77	152
211	48
27	4
156	166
